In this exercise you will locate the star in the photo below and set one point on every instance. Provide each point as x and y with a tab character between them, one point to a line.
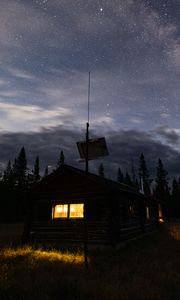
101	9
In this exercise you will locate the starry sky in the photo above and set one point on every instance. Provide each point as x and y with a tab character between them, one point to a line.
131	48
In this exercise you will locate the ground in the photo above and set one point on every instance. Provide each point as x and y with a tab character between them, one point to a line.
144	269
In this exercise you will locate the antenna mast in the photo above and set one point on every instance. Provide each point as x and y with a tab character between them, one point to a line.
87	169
89	88
87	127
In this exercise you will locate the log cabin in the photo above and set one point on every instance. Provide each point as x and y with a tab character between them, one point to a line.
68	206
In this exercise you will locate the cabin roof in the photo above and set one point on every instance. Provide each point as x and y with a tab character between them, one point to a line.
101	181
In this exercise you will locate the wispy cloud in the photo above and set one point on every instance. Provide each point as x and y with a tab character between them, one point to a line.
30	117
22	74
171	135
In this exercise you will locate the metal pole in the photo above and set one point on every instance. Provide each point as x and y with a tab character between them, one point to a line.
87	128
87	170
87	148
89	88
85	213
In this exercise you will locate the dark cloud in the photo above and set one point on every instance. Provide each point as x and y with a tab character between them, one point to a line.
47	144
124	146
170	135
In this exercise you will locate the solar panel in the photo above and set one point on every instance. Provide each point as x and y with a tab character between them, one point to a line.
96	147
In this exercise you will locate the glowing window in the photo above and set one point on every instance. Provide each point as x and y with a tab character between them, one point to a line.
131	211
147	213
60	211
161	220
76	211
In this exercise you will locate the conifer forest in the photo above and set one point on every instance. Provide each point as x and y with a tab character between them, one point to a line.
16	179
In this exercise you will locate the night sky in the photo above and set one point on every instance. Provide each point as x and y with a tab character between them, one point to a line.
131	48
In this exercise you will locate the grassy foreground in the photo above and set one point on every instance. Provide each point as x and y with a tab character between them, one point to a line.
145	269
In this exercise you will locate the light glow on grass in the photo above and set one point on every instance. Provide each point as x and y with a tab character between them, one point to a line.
39	254
30	273
11	253
57	255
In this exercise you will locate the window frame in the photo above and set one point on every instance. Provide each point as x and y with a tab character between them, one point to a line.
54	209
68	211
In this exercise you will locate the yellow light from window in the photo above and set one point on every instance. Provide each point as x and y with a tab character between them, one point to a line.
161	220
147	213
76	211
61	211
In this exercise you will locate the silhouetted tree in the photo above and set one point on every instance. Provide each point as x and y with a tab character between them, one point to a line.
46	171
13	191
20	168
8	177
144	175
120	176
128	180
101	170
36	175
61	160
14	170
133	172
161	188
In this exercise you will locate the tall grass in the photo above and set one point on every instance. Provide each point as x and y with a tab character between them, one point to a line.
145	269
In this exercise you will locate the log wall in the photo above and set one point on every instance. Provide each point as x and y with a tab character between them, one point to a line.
69	232
112	215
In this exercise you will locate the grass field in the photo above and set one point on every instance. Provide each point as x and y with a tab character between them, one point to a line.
145	269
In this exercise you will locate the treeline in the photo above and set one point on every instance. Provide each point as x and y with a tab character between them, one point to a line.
16	179
18	173
160	187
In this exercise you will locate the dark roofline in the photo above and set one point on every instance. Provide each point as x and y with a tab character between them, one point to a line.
107	183
104	181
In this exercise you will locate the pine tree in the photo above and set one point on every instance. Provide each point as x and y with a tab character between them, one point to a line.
120	176
133	173
8	174
61	160
101	170
127	179
46	171
161	188
144	175
20	168
36	175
